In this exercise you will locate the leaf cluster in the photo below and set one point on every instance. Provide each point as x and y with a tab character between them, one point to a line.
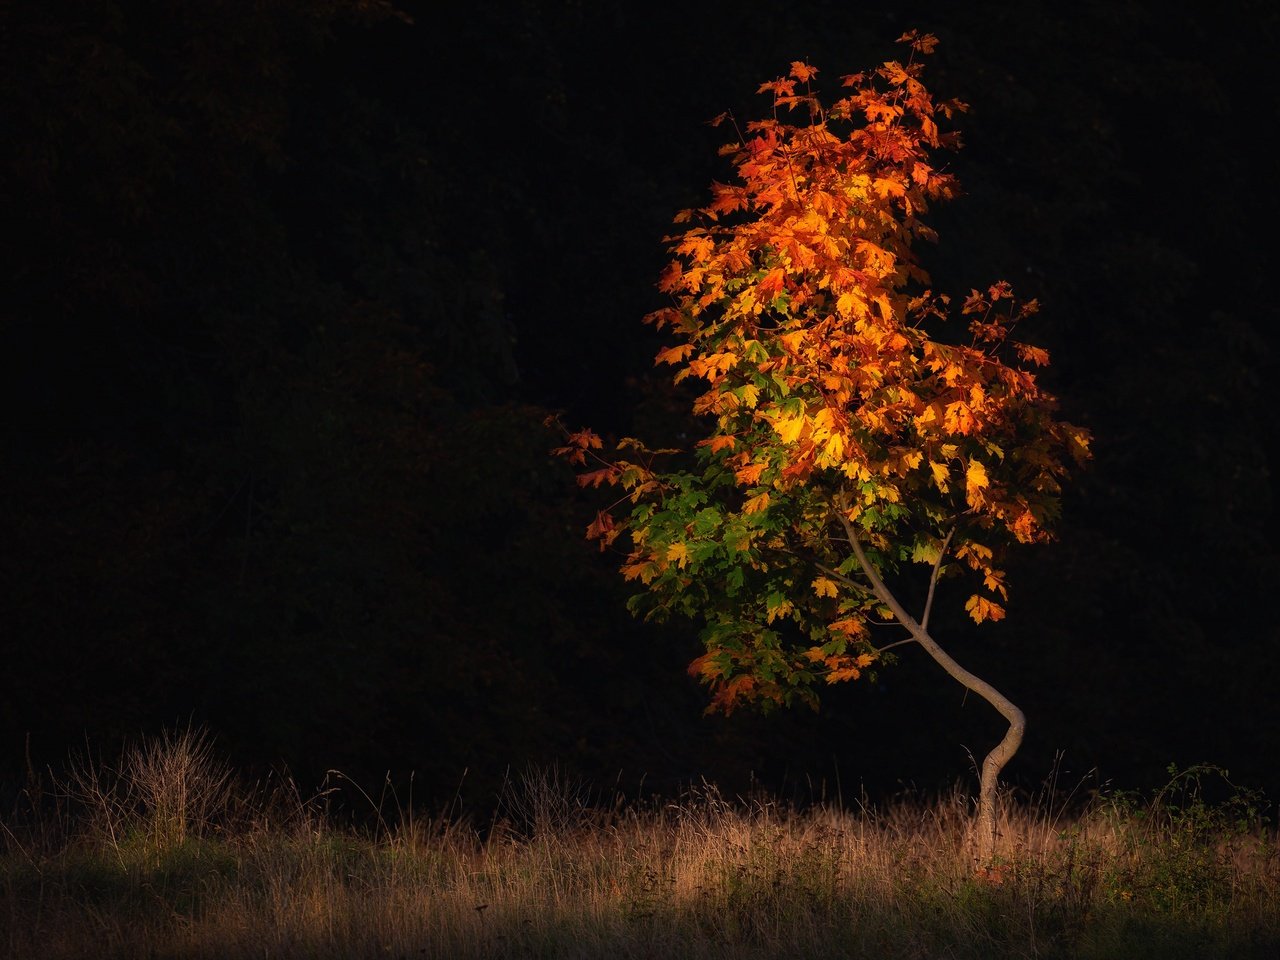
836	409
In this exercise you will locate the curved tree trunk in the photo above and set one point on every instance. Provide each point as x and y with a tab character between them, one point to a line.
1003	752
1000	755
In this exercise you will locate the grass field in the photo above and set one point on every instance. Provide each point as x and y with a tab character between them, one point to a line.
162	854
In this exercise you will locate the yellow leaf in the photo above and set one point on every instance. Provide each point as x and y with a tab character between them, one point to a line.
824	587
843	673
959	418
976	476
679	553
790	428
994	581
1024	526
644	570
835	447
756	504
975	552
792	340
980	608
849	305
781	610
940	474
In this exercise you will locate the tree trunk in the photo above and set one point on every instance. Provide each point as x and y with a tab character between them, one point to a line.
985	839
998	757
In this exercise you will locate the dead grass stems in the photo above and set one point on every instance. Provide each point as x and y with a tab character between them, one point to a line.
161	854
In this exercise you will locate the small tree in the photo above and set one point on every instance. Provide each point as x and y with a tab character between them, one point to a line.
846	440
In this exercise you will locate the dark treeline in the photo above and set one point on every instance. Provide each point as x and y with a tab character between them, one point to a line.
290	286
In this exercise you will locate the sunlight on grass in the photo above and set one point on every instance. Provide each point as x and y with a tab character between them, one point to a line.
124	870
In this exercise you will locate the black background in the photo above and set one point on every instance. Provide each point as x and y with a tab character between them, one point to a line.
288	288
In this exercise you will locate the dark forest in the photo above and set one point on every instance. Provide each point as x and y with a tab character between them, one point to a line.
290	287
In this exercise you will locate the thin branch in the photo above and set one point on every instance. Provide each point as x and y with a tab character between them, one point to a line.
837	574
896	643
933	579
877	585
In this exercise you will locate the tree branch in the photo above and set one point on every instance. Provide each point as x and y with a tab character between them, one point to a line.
933	580
896	643
1008	745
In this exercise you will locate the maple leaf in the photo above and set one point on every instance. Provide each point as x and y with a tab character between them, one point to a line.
976	476
604	529
727	696
1029	354
959	417
974	303
791	340
834	449
777	606
646	571
802	71
1023	527
674	354
781	88
790	428
824	587
843	673
756	503
980	609
772	284
594	478
679	554
717	443
848	627
922	42
849	305
705	666
993	580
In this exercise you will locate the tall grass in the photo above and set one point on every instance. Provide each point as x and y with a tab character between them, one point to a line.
162	855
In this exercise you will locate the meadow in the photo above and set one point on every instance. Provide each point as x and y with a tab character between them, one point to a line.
162	853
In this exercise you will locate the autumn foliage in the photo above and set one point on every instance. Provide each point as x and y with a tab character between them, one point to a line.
848	409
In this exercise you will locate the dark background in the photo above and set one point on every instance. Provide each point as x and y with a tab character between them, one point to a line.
289	287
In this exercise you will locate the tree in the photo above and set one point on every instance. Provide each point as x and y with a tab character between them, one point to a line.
847	438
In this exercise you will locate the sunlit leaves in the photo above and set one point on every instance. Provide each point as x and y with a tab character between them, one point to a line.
980	608
831	403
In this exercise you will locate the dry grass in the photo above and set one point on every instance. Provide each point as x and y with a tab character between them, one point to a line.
114	866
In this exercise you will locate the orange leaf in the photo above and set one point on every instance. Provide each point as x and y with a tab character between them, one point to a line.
772	284
802	71
718	442
674	354
595	478
980	608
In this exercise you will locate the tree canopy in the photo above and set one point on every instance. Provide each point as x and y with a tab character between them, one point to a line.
846	437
